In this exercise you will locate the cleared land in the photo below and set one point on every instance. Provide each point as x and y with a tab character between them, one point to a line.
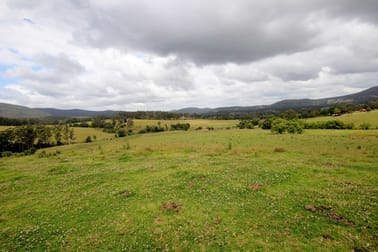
194	124
356	117
197	190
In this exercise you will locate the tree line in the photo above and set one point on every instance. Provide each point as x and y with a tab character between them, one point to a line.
28	138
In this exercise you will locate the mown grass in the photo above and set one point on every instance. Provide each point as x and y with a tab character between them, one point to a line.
357	118
96	134
194	123
191	191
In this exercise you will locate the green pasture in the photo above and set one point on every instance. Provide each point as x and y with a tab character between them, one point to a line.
194	123
357	118
222	190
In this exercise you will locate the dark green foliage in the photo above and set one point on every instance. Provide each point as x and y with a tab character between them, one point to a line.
333	124
365	126
373	104
266	123
28	138
152	129
180	126
88	139
5	154
282	126
121	133
247	124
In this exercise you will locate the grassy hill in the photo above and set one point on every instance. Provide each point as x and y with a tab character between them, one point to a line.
15	111
357	118
232	190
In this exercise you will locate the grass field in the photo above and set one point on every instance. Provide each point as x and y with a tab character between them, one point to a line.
356	117
194	124
230	190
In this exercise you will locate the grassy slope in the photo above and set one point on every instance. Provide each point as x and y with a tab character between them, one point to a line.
110	194
357	118
216	124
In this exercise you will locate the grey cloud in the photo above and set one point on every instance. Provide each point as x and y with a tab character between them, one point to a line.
203	33
61	64
237	31
202	53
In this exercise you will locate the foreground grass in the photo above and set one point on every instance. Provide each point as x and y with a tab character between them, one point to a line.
220	190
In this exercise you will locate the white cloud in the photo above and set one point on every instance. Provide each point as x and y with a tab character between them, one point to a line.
133	55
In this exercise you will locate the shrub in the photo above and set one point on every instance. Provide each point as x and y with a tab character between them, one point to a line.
282	126
152	129
333	124
180	126
365	126
279	149
6	154
88	139
121	133
247	124
267	123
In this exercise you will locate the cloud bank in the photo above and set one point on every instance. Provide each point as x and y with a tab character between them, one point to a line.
168	54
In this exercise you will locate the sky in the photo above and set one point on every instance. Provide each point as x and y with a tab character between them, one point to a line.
170	54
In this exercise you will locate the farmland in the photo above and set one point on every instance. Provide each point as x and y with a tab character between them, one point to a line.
197	190
357	118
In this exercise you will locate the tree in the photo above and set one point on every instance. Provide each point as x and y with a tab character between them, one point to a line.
282	126
44	135
57	131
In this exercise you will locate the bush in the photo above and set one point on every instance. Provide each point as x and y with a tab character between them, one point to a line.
282	126
247	124
267	123
88	139
6	154
365	126
180	126
121	133
152	129
333	124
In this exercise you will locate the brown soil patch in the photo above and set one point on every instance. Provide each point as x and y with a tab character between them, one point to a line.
255	187
159	219
333	216
171	206
338	218
328	237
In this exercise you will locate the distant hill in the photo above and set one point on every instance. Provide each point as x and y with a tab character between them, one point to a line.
362	97
75	112
193	110
371	94
16	111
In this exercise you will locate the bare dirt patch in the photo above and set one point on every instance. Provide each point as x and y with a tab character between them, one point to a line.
338	218
255	187
171	206
331	215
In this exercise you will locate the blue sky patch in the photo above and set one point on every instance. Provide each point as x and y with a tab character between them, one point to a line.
5	80
28	20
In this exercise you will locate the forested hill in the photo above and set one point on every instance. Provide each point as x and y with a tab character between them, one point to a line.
16	111
75	112
363	97
371	94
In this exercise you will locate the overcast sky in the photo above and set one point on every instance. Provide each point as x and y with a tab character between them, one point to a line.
169	54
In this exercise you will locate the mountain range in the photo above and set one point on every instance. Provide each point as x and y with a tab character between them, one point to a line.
363	97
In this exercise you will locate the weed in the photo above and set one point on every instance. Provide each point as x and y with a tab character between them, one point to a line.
279	149
229	146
